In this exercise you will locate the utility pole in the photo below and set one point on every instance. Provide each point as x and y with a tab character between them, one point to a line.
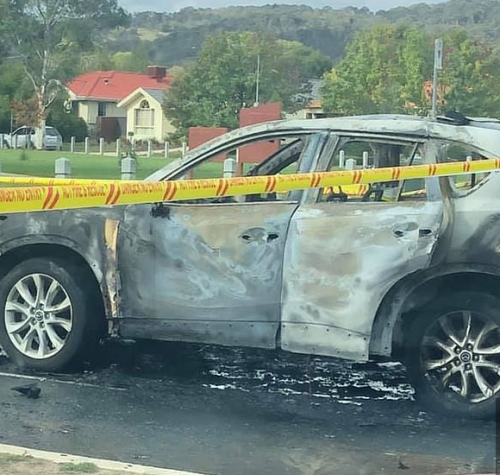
257	82
438	66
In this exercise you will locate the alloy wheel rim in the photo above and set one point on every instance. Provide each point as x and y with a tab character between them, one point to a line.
460	355
38	316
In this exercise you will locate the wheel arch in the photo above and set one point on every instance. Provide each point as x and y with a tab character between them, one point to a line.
61	249
401	302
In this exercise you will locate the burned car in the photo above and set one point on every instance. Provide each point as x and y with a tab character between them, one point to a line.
408	270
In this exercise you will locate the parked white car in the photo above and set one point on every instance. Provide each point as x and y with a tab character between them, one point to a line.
24	137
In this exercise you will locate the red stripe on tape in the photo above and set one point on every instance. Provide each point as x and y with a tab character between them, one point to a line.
55	200
268	184
167	190
273	184
118	194
317	180
50	192
357	177
173	191
110	194
220	187
396	173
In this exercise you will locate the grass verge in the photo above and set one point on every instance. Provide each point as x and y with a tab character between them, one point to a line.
27	465
42	163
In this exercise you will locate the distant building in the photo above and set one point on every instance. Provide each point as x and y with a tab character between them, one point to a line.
145	116
97	95
314	110
312	106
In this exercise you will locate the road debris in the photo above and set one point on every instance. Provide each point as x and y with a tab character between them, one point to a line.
32	390
402	466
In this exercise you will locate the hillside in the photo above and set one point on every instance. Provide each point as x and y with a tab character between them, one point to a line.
175	38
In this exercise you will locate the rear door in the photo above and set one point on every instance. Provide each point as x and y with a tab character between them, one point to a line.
343	256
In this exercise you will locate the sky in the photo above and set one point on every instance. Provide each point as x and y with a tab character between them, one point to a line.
175	5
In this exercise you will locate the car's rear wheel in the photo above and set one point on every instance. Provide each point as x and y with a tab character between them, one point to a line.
48	317
453	354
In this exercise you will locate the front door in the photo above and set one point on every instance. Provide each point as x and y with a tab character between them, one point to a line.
208	273
343	256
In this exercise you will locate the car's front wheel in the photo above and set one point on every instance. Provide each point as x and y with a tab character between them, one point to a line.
47	318
453	354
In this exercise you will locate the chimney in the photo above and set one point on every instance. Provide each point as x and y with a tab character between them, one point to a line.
157	72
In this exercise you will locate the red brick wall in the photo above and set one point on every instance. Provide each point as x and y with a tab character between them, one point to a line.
256	115
200	135
250	153
259	114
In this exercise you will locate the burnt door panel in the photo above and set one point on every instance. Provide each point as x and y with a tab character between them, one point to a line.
340	261
206	273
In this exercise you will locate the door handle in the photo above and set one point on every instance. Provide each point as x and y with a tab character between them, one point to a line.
402	229
424	232
258	235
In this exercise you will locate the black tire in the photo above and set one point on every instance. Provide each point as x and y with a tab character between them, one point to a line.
454	308
86	314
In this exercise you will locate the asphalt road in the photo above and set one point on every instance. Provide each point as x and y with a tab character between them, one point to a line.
242	412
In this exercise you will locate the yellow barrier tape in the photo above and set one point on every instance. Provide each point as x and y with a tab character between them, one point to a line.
42	181
360	190
139	192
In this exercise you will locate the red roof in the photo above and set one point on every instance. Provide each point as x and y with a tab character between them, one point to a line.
113	85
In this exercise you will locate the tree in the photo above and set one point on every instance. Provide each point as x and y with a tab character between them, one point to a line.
67	123
45	34
135	60
471	75
25	112
385	71
13	86
177	37
224	78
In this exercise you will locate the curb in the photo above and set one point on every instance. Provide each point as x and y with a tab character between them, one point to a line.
100	463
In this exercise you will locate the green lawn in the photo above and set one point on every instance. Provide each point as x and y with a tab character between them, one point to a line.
41	163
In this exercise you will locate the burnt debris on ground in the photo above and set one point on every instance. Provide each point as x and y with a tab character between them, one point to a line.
247	392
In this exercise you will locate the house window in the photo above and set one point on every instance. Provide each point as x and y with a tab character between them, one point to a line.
144	116
101	109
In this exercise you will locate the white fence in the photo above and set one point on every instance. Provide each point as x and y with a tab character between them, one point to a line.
117	148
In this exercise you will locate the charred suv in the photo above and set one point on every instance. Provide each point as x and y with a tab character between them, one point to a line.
408	269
